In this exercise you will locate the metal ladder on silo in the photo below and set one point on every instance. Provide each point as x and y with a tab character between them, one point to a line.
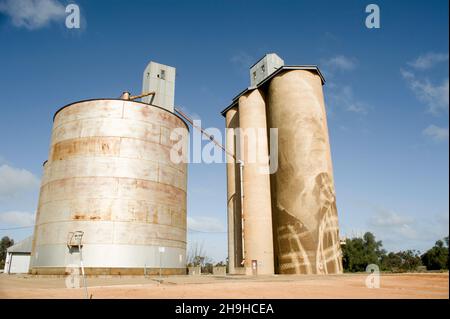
75	240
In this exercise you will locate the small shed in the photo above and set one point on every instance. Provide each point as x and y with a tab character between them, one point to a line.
18	257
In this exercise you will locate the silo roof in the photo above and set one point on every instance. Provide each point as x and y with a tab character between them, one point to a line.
23	246
313	68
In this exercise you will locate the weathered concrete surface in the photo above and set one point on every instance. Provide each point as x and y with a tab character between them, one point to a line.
109	174
303	197
233	194
350	286
258	240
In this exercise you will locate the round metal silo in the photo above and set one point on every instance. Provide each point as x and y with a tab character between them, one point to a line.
306	233
109	174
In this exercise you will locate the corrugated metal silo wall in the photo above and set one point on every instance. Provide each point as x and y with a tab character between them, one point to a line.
109	174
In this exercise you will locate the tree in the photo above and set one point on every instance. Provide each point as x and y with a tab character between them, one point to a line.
407	260
221	264
436	258
411	260
360	252
5	243
197	256
391	261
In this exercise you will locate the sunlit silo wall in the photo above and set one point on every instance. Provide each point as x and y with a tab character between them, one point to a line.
109	174
258	240
294	203
303	197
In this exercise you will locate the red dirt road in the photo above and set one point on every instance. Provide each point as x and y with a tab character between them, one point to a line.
430	286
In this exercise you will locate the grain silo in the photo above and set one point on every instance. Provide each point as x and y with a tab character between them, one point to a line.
292	209
109	175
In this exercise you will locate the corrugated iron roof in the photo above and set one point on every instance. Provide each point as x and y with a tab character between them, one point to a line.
23	246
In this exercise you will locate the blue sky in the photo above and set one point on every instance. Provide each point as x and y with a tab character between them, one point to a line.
386	96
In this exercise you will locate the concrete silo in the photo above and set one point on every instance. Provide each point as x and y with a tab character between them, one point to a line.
301	192
258	254
234	197
109	174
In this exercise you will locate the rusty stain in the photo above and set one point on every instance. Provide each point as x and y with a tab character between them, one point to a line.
86	217
146	112
99	186
155	218
105	146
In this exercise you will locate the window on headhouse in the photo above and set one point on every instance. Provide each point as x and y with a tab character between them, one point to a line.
263	68
254	75
163	74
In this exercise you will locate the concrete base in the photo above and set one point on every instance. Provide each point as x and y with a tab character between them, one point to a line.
110	271
238	271
195	271
220	271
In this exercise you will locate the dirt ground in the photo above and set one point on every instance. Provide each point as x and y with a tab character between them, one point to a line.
426	285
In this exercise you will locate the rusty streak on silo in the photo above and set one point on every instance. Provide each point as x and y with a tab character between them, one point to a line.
302	195
110	175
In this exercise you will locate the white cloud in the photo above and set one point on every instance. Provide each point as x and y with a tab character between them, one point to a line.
14	181
436	133
343	97
435	96
428	60
33	14
340	62
399	231
205	224
389	219
436	226
17	218
390	223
